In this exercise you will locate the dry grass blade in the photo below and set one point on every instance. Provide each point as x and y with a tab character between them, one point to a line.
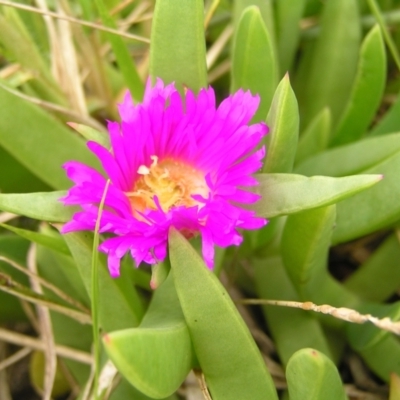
46	328
6	216
121	6
343	313
220	70
69	71
46	284
93	73
135	16
190	390
30	313
54	107
75	20
9	70
89	384
210	12
106	378
216	49
36	344
9	286
5	393
203	385
52	34
15	357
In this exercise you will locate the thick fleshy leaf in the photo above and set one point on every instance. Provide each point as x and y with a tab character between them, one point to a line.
15	178
315	138
68	332
125	391
52	242
375	209
157	356
177	52
332	64
254	65
284	194
352	158
228	356
126	309
311	375
272	282
283	121
266	10
379	277
63	272
38	141
288	15
305	246
45	206
367	90
92	134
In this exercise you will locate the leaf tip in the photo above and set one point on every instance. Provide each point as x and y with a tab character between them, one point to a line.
73	125
106	339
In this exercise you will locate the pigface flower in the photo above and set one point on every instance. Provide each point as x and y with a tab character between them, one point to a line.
173	162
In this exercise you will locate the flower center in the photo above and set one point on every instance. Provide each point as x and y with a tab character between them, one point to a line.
172	182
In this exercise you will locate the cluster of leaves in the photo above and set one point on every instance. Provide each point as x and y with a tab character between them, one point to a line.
332	139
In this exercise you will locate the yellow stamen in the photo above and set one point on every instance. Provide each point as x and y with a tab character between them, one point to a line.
173	182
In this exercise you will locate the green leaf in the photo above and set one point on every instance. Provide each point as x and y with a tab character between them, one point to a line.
379	277
157	356
315	138
45	206
126	309
266	10
38	141
284	194
332	63
92	134
124	58
62	271
55	243
71	333
14	248
375	209
272	282
305	245
367	90
283	120
177	52
125	391
288	16
313	376
229	358
254	65
37	363
14	173
352	158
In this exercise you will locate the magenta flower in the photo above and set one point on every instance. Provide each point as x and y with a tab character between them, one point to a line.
175	163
